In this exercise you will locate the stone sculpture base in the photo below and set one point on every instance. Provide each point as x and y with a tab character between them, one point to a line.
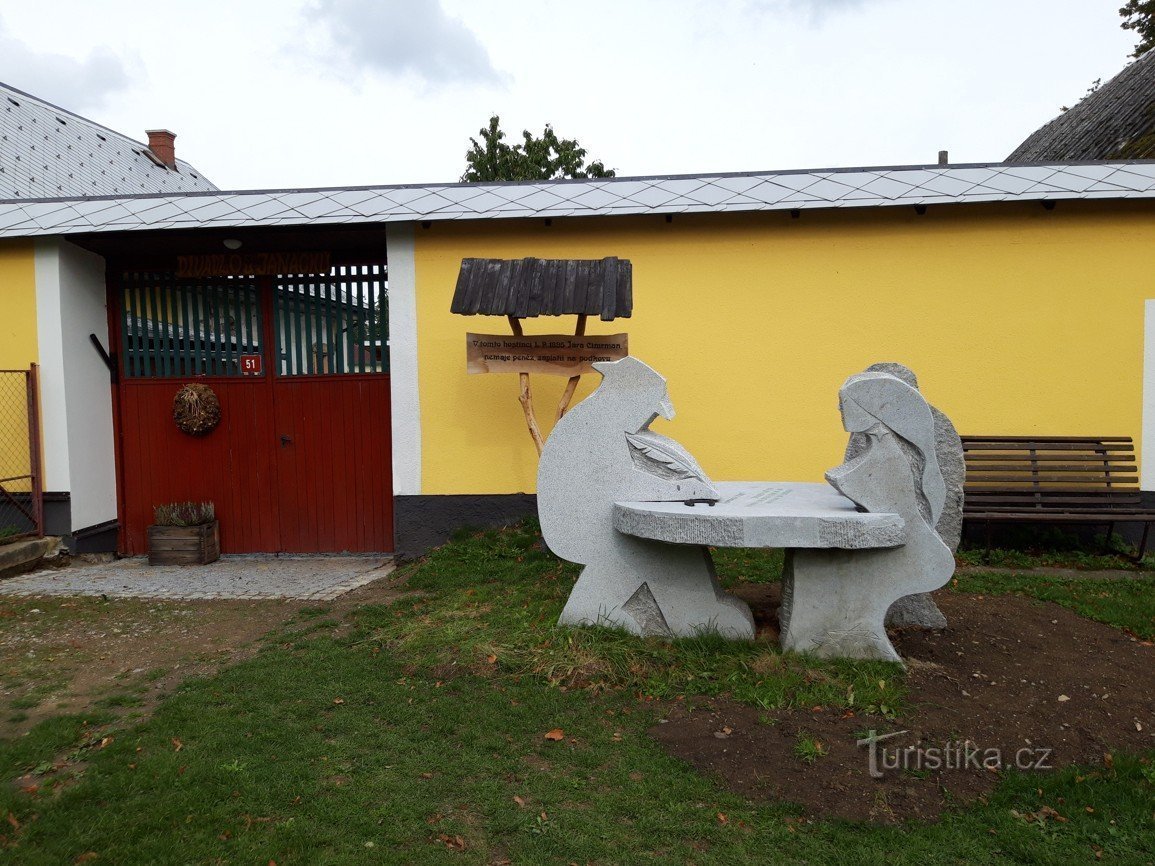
916	611
656	590
834	603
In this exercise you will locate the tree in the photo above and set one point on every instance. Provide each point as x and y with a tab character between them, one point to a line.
1139	15
544	158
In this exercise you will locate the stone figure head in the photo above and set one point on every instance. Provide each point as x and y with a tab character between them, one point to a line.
639	389
899	371
872	400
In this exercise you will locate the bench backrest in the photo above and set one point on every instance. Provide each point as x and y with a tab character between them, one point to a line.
1049	473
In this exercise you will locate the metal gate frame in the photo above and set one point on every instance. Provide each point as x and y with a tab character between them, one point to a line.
35	516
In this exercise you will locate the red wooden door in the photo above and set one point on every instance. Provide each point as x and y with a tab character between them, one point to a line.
233	466
334	463
301	461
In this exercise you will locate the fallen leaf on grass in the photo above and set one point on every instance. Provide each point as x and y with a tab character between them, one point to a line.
105	741
1108	760
177	745
520	801
722	819
338	700
455	843
14	821
555	735
86	857
491	658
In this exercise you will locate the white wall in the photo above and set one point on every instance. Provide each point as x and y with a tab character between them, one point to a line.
53	412
405	400
76	394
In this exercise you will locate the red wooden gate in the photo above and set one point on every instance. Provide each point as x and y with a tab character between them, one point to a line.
301	461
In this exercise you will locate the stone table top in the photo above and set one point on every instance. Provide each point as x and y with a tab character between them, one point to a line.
764	514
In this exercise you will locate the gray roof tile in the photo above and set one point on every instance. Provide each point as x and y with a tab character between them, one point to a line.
686	194
828	189
1114	122
1006	183
710	194
48	152
655	196
737	183
886	187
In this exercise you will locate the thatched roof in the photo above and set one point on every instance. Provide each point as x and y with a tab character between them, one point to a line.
545	287
1117	121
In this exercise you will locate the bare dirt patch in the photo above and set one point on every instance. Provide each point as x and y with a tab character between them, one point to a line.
65	655
1009	674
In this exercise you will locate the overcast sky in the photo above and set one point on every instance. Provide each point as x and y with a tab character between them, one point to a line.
282	93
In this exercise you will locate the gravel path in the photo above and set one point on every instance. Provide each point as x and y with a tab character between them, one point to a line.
306	578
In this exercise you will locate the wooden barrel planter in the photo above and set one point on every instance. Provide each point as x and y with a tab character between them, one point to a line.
184	545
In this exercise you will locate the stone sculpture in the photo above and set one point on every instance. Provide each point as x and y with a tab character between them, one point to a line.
834	602
603	451
919	610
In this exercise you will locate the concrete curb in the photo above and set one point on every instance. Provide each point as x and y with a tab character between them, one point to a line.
22	556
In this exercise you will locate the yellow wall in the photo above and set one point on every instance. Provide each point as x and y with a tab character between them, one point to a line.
1017	320
17	351
17	305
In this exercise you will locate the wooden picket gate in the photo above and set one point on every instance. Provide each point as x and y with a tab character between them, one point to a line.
302	459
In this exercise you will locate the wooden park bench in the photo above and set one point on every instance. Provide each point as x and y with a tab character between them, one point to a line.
1088	480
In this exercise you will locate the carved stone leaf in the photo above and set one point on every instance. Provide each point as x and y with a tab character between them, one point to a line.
651	454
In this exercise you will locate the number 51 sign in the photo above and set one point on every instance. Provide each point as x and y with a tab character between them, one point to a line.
250	365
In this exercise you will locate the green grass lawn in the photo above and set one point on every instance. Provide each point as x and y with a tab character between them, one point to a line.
418	735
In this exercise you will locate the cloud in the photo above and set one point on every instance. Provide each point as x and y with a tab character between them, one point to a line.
817	11
401	36
72	83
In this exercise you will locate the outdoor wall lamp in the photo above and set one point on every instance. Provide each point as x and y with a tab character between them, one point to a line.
232	244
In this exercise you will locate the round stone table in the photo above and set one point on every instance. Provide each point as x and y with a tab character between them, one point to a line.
764	514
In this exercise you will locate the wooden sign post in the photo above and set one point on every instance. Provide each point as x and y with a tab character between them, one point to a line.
552	354
530	287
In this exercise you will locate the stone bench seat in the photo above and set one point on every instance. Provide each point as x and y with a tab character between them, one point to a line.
771	514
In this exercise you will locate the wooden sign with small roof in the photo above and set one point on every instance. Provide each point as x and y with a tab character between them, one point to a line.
527	288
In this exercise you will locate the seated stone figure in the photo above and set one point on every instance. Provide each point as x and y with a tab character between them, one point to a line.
603	451
920	610
835	601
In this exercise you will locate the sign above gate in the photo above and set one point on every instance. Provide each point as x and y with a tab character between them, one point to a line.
556	354
252	264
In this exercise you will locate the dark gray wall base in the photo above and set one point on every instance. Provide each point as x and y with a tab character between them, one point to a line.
101	538
58	514
424	522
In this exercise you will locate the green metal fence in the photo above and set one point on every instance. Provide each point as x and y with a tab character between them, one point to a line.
323	323
337	323
178	329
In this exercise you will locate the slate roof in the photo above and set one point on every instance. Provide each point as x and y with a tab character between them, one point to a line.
47	152
677	194
1117	121
530	287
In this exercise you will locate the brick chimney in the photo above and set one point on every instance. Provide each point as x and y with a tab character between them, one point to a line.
162	143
